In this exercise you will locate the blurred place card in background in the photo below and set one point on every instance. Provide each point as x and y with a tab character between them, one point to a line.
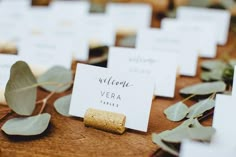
110	90
196	149
163	41
161	67
68	12
201	33
11	33
39	19
219	18
70	34
223	121
44	52
97	29
14	9
126	16
6	61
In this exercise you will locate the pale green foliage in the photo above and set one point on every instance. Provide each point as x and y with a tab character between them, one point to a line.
21	89
27	126
62	105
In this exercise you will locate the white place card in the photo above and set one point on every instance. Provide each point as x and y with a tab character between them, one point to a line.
202	34
11	31
6	61
161	67
130	16
234	83
44	52
16	9
105	89
71	34
39	19
97	28
220	19
223	121
161	40
197	149
68	12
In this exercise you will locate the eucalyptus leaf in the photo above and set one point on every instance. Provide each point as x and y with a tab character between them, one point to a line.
195	123
202	133
176	112
199	108
157	140
62	105
199	3
214	64
21	89
232	62
56	79
128	41
28	126
199	133
204	88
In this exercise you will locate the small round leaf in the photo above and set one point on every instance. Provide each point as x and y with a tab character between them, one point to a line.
199	108
62	105
215	64
21	89
56	79
29	126
176	112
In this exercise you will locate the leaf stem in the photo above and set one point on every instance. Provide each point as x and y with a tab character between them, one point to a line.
188	98
44	100
212	96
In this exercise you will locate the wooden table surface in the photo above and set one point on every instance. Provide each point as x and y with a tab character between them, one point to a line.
67	137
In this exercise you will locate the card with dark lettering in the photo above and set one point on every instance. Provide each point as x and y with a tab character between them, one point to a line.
104	89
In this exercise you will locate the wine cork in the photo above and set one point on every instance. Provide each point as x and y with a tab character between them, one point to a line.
104	120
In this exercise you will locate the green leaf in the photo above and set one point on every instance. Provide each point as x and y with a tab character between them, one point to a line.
156	139
176	112
62	105
199	108
199	3
195	123
232	62
29	126
21	89
204	88
199	133
215	64
56	79
214	75
128	41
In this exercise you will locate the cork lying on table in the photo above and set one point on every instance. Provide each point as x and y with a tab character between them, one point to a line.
104	120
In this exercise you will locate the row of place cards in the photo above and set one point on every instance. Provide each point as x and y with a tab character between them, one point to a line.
133	75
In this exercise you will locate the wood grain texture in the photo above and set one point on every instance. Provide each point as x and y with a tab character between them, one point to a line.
68	137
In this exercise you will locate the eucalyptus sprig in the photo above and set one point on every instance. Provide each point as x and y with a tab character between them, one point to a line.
21	94
218	70
170	140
